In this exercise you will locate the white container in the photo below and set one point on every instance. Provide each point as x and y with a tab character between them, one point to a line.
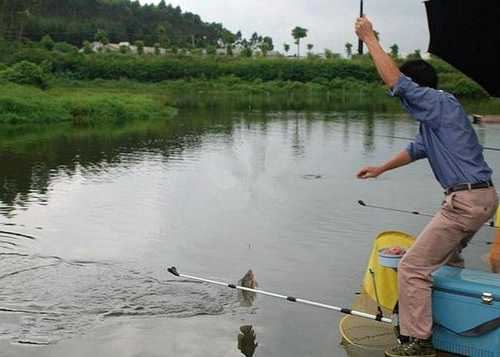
389	260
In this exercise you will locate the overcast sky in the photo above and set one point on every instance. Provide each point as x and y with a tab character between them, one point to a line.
330	22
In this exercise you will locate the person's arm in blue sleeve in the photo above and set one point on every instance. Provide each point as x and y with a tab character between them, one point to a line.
416	149
422	103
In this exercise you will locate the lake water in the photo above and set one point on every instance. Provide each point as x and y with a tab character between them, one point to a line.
91	219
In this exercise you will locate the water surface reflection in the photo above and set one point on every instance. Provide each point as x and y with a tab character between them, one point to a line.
110	208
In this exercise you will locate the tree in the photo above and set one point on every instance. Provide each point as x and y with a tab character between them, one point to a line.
47	42
415	55
265	45
299	33
395	51
72	21
247	52
140	47
157	49
348	49
162	36
286	47
87	48
310	46
254	40
328	54
101	37
124	49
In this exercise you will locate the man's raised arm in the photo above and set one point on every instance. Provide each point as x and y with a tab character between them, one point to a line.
386	67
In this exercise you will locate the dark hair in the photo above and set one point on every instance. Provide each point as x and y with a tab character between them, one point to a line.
421	73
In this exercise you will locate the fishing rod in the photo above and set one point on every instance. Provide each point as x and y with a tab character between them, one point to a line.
489	148
418	213
379	317
361	14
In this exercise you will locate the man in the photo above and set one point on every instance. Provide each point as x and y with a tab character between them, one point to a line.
447	140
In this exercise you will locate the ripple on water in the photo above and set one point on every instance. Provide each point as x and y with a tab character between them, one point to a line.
57	299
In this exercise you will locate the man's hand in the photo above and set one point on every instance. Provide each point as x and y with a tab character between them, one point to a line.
401	159
386	67
370	172
364	30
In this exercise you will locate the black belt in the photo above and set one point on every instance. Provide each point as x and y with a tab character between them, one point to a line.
469	187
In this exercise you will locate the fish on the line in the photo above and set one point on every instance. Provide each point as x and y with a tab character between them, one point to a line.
247	298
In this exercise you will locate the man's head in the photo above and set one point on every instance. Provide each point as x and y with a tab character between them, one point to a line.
421	73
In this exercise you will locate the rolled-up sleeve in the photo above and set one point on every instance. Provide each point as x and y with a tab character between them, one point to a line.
423	103
416	149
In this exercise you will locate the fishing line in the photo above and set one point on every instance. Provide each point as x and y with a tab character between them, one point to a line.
489	148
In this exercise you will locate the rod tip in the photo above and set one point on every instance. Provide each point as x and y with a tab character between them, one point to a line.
173	270
362	203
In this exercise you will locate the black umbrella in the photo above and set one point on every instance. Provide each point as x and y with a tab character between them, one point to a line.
466	34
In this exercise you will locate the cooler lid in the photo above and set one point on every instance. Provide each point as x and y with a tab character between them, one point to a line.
466	316
467	282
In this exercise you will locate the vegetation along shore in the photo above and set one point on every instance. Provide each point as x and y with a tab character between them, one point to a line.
106	74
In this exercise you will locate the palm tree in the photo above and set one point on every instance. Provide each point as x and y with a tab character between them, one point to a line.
286	46
348	49
310	46
395	51
298	33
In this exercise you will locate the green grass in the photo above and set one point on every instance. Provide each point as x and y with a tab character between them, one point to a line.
29	105
114	101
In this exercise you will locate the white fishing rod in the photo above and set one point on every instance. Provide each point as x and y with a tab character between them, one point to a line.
379	317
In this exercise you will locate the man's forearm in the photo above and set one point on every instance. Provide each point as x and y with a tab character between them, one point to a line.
401	159
386	67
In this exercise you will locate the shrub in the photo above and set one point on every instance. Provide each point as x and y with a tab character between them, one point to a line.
87	48
26	73
20	104
65	47
461	86
47	42
211	51
140	47
124	49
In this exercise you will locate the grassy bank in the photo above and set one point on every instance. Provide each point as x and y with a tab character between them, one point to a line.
233	93
112	101
29	105
38	85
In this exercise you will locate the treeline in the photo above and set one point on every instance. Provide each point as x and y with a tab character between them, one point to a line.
35	63
76	21
62	60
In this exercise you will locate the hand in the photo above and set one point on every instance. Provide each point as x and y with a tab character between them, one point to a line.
369	172
364	29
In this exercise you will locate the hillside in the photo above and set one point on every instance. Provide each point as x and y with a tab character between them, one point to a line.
75	21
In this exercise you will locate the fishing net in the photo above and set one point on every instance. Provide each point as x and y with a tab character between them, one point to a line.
363	333
380	284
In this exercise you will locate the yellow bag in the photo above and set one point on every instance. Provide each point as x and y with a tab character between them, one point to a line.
385	278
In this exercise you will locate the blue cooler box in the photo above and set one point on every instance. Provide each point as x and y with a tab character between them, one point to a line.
466	309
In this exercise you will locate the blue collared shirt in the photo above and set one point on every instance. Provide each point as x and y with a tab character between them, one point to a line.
446	137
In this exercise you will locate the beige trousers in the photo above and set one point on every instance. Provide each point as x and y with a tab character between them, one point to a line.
462	214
